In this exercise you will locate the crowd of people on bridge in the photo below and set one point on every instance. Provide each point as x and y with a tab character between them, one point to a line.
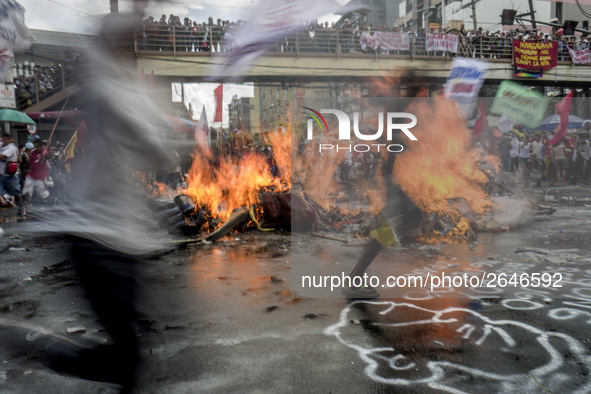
43	81
187	35
168	33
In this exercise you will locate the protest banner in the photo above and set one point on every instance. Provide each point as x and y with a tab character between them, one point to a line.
530	55
441	42
520	104
463	84
7	96
580	56
385	40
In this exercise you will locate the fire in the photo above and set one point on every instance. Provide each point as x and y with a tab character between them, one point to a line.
314	173
441	166
224	183
151	187
493	161
433	171
160	189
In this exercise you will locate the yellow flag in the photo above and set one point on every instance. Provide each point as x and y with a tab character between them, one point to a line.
70	151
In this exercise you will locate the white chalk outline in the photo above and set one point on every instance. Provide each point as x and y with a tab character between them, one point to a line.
371	355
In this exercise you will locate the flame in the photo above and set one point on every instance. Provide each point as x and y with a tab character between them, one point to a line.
314	173
493	161
152	188
224	183
160	189
440	166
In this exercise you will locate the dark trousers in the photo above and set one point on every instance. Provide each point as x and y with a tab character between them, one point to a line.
109	278
514	166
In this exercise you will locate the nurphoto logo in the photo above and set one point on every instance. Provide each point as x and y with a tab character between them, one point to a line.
392	119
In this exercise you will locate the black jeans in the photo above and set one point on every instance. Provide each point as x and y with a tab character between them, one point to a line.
109	278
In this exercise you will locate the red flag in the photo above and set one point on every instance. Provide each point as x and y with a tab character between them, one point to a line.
563	109
219	95
481	123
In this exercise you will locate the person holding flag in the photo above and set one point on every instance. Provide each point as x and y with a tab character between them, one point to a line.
559	158
39	171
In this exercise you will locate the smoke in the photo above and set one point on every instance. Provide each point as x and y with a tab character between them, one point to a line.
511	212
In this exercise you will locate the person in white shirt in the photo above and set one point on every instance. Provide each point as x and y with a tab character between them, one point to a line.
524	150
514	154
10	182
536	147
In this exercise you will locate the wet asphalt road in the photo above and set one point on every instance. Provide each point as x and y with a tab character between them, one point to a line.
222	318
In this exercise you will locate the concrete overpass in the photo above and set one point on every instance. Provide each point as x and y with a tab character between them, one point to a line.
197	66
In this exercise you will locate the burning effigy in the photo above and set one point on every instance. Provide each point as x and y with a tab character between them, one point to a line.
290	183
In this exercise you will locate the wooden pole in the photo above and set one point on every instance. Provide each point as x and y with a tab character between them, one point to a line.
57	120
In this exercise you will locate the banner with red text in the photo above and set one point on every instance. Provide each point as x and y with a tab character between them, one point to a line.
530	55
464	82
386	41
7	96
441	42
580	56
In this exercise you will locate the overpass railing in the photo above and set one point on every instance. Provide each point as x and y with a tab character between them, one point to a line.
63	77
178	41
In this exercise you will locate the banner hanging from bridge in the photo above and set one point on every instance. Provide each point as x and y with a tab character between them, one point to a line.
441	42
580	56
520	104
530	55
385	40
464	82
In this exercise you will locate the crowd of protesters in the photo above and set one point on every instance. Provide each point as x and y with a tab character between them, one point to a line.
532	158
39	175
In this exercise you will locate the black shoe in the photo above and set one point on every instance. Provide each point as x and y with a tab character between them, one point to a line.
102	364
21	211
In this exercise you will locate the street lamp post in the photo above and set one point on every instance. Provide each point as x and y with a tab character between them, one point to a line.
442	15
425	16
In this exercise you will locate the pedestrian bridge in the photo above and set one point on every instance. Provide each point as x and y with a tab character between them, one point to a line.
301	58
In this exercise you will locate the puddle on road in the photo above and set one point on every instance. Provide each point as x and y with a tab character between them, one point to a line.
493	267
258	267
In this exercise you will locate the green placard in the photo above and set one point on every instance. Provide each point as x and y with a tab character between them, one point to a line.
520	104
